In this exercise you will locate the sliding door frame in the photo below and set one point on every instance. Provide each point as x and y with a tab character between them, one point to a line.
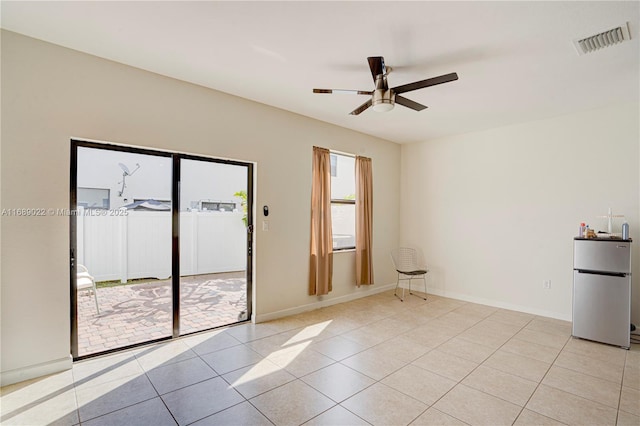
175	237
176	229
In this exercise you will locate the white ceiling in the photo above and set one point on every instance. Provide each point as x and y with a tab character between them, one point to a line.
515	60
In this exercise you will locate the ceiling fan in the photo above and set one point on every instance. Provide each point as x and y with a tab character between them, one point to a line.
383	98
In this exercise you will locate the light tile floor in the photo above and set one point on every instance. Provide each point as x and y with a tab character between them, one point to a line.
373	361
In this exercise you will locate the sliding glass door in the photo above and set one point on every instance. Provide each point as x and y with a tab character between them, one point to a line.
213	244
160	245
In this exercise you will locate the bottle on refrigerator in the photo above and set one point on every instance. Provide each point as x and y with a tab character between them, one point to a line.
625	231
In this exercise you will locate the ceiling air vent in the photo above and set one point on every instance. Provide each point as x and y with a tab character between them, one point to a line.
604	39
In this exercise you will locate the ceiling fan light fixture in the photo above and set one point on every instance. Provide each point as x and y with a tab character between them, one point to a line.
383	100
383	105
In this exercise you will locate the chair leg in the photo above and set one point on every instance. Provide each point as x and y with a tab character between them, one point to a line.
95	296
395	292
425	289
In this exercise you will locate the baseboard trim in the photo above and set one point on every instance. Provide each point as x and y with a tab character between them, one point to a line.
437	292
365	291
498	304
34	371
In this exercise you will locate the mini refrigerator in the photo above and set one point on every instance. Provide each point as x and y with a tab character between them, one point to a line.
602	290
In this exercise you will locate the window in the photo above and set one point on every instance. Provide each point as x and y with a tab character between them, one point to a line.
333	158
93	198
217	206
343	201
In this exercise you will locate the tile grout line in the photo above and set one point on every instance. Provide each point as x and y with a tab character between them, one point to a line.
388	315
567	348
540	383
411	363
624	367
474	369
344	365
158	393
226	381
591	358
232	387
459	382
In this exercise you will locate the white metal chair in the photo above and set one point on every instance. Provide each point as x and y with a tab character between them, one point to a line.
410	265
84	281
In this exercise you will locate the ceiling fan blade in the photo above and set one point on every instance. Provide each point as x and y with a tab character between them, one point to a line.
409	103
426	83
343	91
376	65
361	108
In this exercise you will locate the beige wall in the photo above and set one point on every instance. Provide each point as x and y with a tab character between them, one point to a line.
51	94
496	211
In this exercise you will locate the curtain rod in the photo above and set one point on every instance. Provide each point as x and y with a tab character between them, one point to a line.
335	151
346	154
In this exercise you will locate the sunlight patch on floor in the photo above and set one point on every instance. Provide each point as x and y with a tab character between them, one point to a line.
291	349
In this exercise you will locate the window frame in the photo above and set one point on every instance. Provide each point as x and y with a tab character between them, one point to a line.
343	201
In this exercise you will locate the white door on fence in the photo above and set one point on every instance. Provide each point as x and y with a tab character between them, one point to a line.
123	235
213	244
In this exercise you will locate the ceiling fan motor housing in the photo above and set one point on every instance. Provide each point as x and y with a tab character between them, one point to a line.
383	98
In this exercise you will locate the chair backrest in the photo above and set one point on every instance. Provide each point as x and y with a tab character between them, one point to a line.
407	259
83	278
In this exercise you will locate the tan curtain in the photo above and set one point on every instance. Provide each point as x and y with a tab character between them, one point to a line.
364	221
321	260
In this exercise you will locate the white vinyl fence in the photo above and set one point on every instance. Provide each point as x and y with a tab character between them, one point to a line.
138	244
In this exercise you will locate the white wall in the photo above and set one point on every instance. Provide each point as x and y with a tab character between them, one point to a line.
51	94
495	211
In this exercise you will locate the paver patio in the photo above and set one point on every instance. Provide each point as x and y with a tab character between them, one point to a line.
140	312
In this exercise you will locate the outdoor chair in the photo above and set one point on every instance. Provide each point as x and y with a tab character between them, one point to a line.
84	281
410	265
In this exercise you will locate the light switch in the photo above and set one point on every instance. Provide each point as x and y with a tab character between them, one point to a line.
265	225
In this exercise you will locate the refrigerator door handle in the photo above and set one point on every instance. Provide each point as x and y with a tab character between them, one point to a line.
610	274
